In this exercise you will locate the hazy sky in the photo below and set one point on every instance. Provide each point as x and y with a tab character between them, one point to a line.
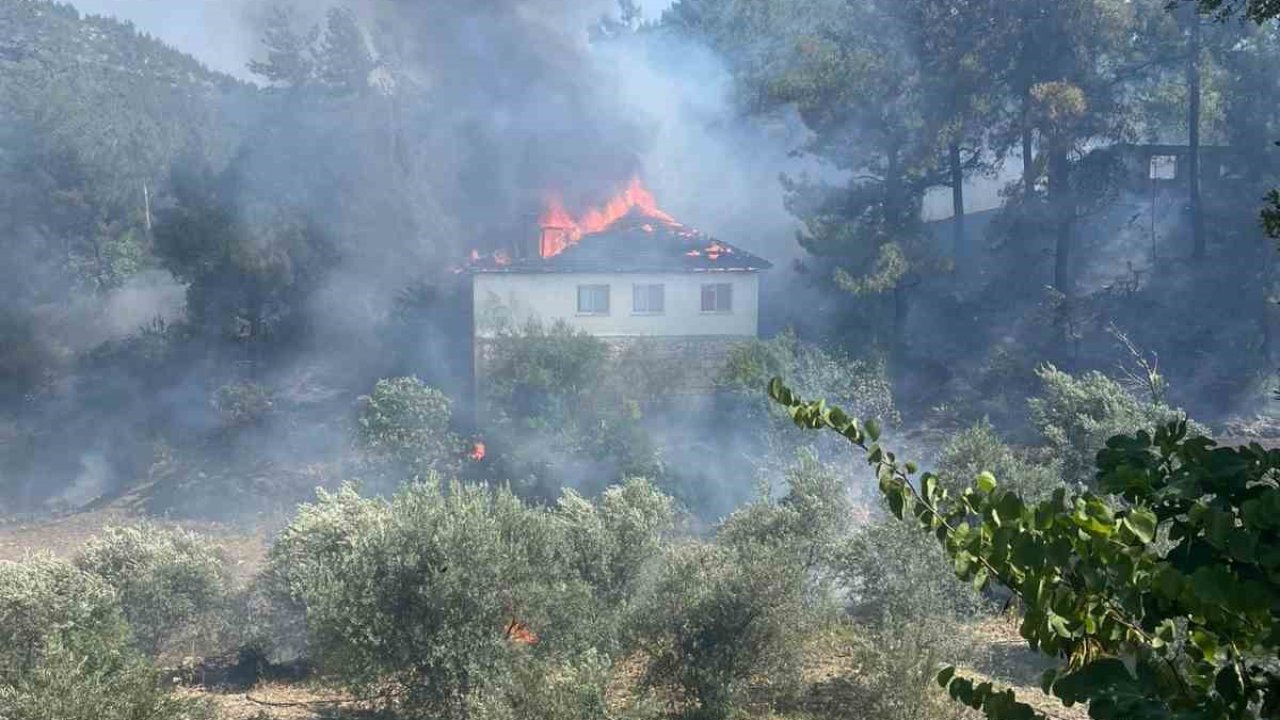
217	31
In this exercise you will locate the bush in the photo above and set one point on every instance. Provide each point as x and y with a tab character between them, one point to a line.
862	385
539	375
171	584
907	604
405	423
444	594
720	618
1156	595
66	685
553	393
1077	415
66	652
45	601
543	690
243	404
979	449
612	543
741	608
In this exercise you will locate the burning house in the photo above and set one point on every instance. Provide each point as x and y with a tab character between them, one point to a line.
627	273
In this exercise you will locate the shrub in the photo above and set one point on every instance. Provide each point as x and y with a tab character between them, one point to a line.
1156	595
547	690
406	423
1077	415
440	591
243	403
720	618
907	604
741	608
553	392
44	601
539	375
66	685
979	449
171	584
807	525
66	652
862	385
612	543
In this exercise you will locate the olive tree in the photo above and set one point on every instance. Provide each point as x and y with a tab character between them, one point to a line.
1157	594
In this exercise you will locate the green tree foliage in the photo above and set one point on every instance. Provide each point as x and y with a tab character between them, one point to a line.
408	423
50	601
1156	597
863	384
100	112
865	78
907	606
739	608
1271	215
542	374
444	595
171	585
249	264
979	449
290	60
1259	11
66	651
557	388
1076	416
92	115
242	404
860	384
612	541
344	62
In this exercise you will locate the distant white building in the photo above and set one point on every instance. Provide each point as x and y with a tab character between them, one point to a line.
642	279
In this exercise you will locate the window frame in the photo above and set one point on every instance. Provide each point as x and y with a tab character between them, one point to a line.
716	295
605	290
637	289
1162	168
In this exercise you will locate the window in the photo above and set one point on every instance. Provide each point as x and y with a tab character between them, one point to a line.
593	299
717	298
648	299
1164	167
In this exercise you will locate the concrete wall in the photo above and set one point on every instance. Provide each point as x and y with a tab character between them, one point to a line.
548	297
688	365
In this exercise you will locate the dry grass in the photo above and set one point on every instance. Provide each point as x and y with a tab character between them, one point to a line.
62	536
285	701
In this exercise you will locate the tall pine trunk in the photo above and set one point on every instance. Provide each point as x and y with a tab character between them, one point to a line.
1062	211
1193	130
896	215
1063	215
1028	153
959	240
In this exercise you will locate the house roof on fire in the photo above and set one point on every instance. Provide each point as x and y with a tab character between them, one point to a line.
633	244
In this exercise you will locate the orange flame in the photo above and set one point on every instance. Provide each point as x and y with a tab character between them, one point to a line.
478	452
519	633
560	229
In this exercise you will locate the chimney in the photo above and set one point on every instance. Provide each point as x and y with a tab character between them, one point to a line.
529	246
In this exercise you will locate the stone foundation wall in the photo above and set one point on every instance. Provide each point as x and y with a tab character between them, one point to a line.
686	364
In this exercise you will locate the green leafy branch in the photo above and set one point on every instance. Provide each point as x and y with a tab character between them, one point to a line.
1157	594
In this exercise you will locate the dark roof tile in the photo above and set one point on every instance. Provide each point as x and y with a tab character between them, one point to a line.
636	243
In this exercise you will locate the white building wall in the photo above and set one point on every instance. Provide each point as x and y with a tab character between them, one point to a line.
548	297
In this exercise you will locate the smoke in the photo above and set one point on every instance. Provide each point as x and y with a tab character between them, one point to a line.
708	164
216	32
477	112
